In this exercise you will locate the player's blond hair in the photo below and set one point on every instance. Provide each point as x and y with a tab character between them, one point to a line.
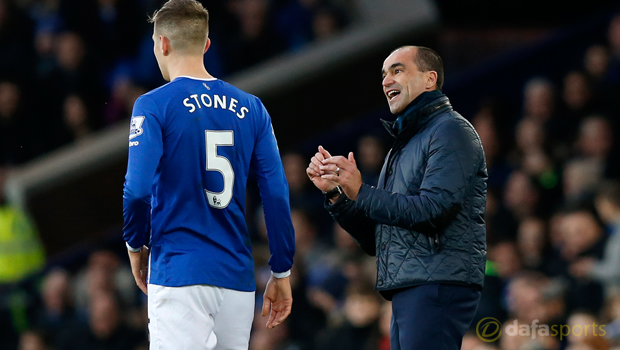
185	23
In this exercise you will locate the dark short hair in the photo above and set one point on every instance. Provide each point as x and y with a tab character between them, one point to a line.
610	191
428	60
184	22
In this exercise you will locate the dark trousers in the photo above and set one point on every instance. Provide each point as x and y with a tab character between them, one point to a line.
432	317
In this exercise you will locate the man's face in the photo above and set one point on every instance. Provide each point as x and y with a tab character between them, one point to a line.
402	81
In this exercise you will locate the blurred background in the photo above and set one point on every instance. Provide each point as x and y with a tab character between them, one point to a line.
539	80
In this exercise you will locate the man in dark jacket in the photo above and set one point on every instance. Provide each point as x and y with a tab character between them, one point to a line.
424	219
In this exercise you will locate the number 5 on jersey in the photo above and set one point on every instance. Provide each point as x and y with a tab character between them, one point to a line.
215	162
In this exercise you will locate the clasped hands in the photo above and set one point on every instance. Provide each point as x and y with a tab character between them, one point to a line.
327	172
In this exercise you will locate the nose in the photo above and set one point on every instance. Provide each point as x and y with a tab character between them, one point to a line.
387	81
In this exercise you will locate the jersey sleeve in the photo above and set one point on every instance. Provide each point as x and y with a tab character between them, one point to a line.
145	151
267	166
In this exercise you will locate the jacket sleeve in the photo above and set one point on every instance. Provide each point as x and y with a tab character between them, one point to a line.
359	226
267	166
454	158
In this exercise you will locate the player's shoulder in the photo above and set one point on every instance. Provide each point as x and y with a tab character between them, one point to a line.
159	91
239	92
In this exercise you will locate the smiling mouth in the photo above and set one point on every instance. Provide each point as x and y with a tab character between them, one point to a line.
392	94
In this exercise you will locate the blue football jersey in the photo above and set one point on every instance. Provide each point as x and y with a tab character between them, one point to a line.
192	144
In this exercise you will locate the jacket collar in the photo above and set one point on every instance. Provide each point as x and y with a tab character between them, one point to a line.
417	112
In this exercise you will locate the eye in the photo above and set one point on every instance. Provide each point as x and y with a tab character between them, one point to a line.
397	70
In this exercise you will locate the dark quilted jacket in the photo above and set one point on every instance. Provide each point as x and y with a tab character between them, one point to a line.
424	220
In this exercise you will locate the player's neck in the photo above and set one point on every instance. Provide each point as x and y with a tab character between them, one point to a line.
189	66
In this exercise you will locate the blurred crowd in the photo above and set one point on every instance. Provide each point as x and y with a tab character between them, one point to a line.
70	67
553	211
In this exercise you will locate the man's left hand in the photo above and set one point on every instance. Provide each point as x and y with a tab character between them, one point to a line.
139	266
346	174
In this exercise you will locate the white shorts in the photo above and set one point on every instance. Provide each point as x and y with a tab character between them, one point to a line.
199	317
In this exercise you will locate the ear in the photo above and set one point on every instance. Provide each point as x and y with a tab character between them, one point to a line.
208	45
431	79
165	45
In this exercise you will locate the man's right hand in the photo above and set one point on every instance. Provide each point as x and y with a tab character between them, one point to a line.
314	173
139	267
277	300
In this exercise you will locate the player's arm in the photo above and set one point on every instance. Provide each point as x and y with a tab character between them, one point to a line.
267	166
145	151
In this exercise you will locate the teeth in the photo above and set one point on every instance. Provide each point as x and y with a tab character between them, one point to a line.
392	93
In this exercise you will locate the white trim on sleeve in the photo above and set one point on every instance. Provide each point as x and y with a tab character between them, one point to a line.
132	249
281	274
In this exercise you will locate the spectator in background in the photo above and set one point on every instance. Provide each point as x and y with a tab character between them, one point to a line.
47	22
613	327
532	243
540	105
371	154
276	339
105	330
539	102
577	103
360	328
535	156
506	260
22	253
582	237
16	54
606	270
17	136
306	320
77	118
595	138
596	64
124	94
111	24
56	313
310	251
595	142
294	21
525	297
508	340
300	194
45	41
73	74
301	21
580	177
34	340
103	274
294	169
521	196
489	123
597	69
613	37
328	21
254	39
45	14
577	97
583	340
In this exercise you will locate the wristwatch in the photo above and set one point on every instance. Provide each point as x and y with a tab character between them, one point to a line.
334	192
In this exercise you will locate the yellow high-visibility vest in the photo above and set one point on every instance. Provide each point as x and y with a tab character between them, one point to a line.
21	251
